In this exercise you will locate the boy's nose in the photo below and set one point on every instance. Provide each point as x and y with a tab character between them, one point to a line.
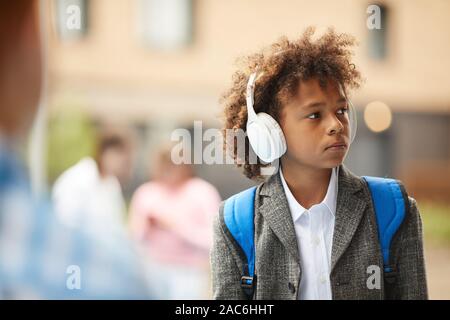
335	127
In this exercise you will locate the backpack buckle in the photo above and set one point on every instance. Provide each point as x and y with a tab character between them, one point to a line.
246	282
390	275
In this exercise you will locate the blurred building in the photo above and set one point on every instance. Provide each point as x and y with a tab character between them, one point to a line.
159	64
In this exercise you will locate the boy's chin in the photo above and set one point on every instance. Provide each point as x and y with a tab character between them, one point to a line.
332	163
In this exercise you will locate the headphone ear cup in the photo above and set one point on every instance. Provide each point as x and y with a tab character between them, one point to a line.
260	140
276	133
353	121
266	137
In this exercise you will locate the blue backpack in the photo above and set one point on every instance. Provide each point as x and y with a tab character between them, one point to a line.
389	201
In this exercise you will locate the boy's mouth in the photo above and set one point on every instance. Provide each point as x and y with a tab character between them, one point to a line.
340	145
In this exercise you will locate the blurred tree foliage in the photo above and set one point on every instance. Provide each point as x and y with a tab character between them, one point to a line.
436	222
71	136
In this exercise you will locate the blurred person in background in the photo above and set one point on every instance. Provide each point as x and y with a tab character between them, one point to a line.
172	217
89	195
40	258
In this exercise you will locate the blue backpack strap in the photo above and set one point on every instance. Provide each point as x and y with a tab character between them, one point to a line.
238	218
390	203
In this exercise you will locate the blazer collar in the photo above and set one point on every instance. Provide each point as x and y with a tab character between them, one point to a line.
351	204
275	210
349	210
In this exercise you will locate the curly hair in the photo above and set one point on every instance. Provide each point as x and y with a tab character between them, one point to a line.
281	67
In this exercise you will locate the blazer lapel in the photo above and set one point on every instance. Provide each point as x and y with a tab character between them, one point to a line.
350	207
275	210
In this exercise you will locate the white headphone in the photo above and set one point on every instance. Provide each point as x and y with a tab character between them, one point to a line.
264	133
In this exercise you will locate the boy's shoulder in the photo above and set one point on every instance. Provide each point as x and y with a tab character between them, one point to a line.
272	185
348	185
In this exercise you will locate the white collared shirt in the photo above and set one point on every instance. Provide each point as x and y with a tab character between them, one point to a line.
314	230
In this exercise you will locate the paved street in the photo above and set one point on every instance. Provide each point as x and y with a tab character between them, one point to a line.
438	269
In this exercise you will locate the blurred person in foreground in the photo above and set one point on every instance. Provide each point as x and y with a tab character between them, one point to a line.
172	217
88	195
39	258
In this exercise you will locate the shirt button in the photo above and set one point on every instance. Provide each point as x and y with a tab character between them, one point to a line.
323	279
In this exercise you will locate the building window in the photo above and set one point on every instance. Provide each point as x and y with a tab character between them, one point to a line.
378	36
166	24
71	18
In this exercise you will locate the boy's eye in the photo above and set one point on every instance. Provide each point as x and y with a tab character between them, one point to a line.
343	110
314	115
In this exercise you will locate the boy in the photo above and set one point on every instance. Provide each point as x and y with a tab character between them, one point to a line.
315	230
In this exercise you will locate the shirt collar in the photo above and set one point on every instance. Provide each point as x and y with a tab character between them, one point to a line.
330	198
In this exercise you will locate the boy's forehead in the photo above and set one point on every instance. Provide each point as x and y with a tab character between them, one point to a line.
311	89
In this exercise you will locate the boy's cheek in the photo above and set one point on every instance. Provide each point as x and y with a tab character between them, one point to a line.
299	151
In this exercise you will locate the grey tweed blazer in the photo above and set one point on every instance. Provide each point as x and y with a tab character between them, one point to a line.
355	247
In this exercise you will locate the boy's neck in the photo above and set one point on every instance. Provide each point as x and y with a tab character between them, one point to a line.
308	185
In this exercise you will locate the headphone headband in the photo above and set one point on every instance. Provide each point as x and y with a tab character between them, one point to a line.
251	96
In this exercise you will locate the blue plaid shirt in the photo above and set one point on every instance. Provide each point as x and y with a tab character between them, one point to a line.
40	258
